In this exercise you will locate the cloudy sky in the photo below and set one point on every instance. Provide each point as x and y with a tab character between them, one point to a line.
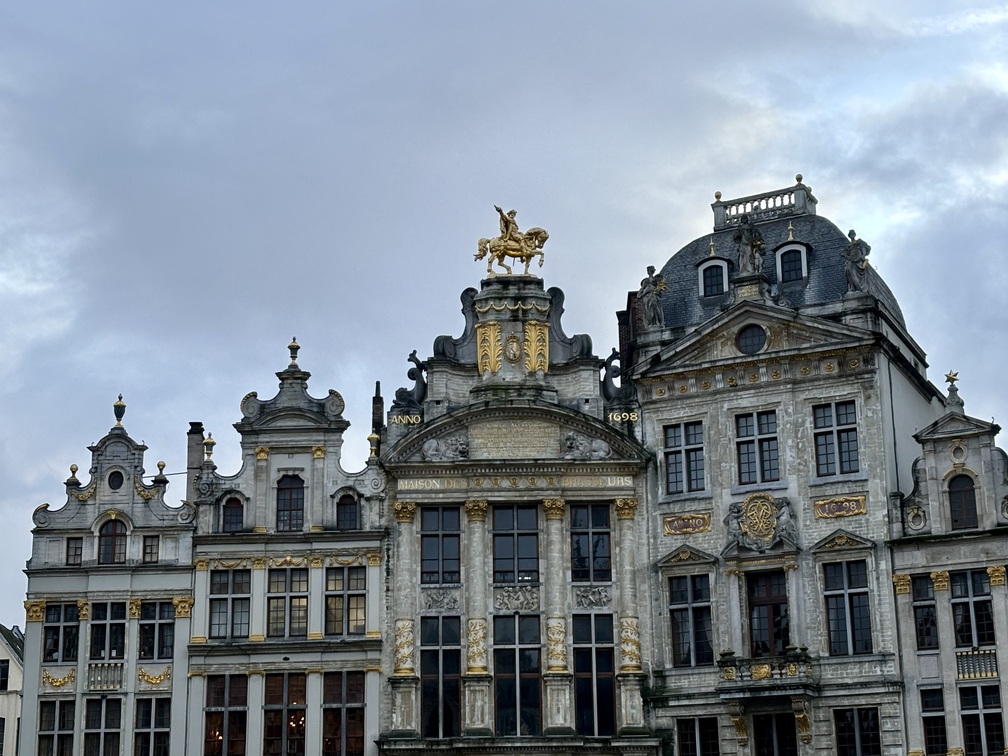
186	186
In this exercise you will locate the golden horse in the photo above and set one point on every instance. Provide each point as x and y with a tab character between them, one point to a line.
499	248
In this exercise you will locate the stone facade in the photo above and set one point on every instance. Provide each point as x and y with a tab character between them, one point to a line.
702	544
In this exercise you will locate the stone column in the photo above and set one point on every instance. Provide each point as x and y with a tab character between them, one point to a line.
196	700
404	680
477	680
736	609
797	626
999	603
559	705
317	488
263	489
254	722
374	596
313	701
199	623
257	601
947	660
316	598
631	674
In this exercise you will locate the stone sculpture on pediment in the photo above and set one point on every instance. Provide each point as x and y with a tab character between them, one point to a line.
649	296
579	446
448	448
522	246
413	398
856	255
760	523
749	241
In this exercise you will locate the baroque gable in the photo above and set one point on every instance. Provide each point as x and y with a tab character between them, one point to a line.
841	540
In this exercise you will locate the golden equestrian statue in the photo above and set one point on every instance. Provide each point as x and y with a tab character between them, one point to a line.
512	243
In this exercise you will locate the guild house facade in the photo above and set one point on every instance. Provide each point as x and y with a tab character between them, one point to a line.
755	527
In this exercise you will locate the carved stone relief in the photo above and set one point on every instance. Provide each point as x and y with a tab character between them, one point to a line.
518	598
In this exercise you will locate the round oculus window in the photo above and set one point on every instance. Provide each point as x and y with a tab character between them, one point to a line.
751	339
115	480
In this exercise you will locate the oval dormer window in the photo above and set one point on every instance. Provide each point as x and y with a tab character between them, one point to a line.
751	339
115	480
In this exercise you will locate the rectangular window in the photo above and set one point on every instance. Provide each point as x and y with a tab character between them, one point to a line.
346	597
774	735
698	737
768	613
933	720
347	513
287	603
690	610
290	503
56	727
440	537
972	613
284	714
925	612
102	726
229	603
157	630
440	677
150	548
152	732
517	675
226	715
847	610
343	714
684	457
835	438
857	732
516	543
982	727
60	633
713	280
4	673
591	559
594	674
74	550
756	447
108	631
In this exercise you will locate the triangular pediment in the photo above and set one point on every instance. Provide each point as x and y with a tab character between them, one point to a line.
534	432
787	332
686	555
956	425
842	540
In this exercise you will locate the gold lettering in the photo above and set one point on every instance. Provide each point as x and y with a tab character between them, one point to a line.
406	419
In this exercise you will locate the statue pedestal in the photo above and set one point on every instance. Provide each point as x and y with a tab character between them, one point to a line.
754	287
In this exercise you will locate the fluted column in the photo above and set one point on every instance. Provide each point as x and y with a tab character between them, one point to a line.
404	680
476	681
559	709
630	672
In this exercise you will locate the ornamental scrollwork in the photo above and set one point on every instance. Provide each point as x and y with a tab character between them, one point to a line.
626	509
554	508
34	611
901	583
404	643
940	580
996	573
183	606
476	653
405	511
59	682
476	510
556	644
630	648
145	676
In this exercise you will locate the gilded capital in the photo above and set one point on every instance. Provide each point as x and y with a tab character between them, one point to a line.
34	610
940	580
134	608
405	511
83	608
554	508
202	565
316	562
318	452
374	559
996	573
258	563
476	510
183	606
626	508
262	452
901	583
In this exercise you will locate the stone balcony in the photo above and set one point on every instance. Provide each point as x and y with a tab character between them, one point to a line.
796	673
978	664
794	200
105	675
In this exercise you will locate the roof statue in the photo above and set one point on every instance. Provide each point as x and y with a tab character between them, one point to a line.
750	247
522	246
856	255
648	294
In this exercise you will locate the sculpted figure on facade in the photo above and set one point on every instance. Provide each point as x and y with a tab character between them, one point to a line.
856	255
522	246
648	295
412	399
750	247
579	446
446	449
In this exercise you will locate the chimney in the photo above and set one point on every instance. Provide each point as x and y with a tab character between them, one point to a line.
194	458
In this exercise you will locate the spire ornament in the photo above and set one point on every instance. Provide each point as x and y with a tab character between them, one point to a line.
119	409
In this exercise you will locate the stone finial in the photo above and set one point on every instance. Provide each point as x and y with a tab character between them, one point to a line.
798	178
790	231
717	196
72	480
953	402
711	246
294	347
160	478
119	409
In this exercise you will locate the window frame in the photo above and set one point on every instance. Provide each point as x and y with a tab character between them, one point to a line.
697	736
156	631
74	551
690	617
778	626
440	537
864	736
151	549
61	633
962	509
347	513
102	734
848	608
347	597
229	523
107	625
702	282
763	456
683	456
593	642
229	712
441	676
983	722
925	609
517	650
972	609
56	729
151	726
232	603
833	438
290	504
591	523
287	602
802	251
343	701
933	725
518	537
292	700
112	540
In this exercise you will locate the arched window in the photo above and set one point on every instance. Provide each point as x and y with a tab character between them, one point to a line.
712	279
346	513
962	503
232	517
791	266
290	503
112	543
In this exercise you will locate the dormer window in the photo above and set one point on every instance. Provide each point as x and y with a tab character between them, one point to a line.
290	503
112	543
962	503
232	515
346	513
713	277
792	263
